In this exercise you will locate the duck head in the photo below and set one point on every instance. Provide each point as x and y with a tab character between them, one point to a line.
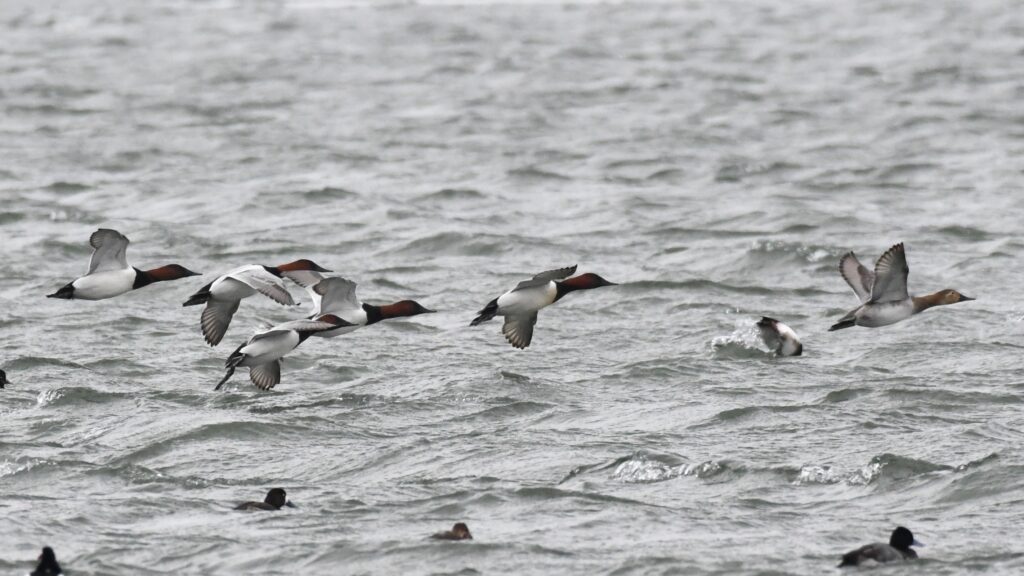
902	539
461	531
950	296
301	265
278	498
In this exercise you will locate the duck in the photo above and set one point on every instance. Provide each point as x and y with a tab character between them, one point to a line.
48	565
276	499
898	548
519	305
225	293
883	293
337	296
458	532
110	275
3	379
779	337
262	353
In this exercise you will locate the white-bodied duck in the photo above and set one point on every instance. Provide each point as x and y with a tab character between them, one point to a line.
883	293
223	295
779	337
520	305
262	353
109	273
337	296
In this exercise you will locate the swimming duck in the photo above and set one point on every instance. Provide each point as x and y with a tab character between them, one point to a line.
109	273
263	352
883	293
223	295
3	378
275	500
898	548
458	532
337	296
519	305
47	564
779	337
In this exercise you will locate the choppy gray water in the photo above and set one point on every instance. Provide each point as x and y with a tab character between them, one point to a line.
715	158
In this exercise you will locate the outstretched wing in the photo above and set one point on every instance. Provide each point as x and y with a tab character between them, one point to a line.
545	277
266	376
857	276
109	249
304	326
262	281
518	330
891	276
337	296
304	278
216	318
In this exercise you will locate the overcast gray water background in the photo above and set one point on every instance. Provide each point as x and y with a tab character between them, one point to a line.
715	158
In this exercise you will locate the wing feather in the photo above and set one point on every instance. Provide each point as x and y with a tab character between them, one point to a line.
891	272
857	276
545	277
216	318
266	376
265	283
337	296
109	250
518	330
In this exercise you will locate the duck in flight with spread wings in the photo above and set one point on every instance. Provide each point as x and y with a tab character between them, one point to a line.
223	295
883	293
109	273
520	305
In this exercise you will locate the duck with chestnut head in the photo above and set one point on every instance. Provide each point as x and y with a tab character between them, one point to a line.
520	305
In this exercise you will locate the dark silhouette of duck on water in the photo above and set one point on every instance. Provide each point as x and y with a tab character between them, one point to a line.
276	499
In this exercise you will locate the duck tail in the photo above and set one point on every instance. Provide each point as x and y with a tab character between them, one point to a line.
227	376
487	313
230	365
201	297
198	298
844	323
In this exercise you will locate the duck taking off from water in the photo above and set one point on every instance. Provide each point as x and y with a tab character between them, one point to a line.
519	305
110	275
779	337
883	293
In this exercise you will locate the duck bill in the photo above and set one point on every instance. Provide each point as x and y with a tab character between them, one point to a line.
966	298
290	504
917	543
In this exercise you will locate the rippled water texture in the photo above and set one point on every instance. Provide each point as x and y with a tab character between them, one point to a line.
715	158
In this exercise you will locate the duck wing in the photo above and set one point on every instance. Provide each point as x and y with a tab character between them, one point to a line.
216	318
109	248
857	276
518	330
545	277
305	278
266	376
262	281
300	326
336	296
891	276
